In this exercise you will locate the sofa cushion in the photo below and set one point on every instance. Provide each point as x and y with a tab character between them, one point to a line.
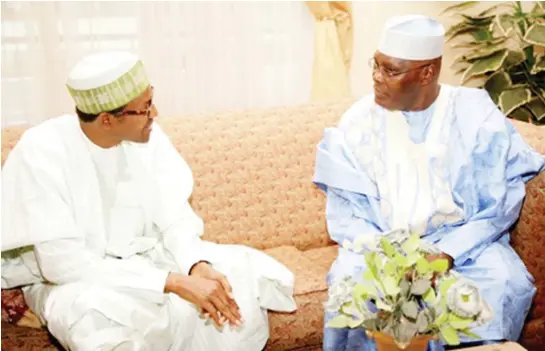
303	327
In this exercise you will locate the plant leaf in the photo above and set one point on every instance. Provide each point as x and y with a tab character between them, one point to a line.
364	290
496	84
462	6
390	286
381	305
442	319
387	247
355	322
511	99
487	64
538	108
505	23
422	321
420	286
401	260
368	275
440	265
340	321
429	296
513	59
536	34
404	287
482	35
422	266
468	332
450	336
521	114
539	65
411	244
390	268
458	322
445	285
460	29
410	309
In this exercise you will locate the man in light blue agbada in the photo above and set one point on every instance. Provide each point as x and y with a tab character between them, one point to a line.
430	158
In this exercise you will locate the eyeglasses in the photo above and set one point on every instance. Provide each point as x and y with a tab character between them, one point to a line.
146	112
389	72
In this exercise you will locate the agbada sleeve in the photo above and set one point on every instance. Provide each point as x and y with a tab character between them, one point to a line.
501	163
46	209
180	226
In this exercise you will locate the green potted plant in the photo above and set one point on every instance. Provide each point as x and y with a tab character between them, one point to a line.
503	48
402	300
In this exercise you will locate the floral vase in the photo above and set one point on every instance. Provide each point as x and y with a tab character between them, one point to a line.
385	342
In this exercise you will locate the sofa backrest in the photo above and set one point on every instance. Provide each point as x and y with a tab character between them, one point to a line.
253	173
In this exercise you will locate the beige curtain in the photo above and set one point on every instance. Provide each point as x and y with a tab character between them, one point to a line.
332	49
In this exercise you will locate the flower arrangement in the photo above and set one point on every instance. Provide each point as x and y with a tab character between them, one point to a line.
404	296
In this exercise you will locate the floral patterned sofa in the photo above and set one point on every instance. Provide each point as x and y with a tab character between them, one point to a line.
253	172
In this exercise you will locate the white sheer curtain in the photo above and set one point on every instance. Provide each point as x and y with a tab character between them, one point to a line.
202	57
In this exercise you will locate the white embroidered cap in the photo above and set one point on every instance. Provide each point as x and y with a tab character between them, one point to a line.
106	81
412	37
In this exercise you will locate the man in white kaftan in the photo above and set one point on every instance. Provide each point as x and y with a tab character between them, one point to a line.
434	159
104	242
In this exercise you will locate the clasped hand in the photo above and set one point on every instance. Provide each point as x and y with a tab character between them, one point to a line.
209	290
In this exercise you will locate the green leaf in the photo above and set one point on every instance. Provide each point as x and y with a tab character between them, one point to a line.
364	290
381	305
458	322
511	99
536	34
422	266
412	258
410	309
458	7
420	286
355	322
429	296
390	286
401	260
387	247
460	29
440	265
405	287
450	336
340	321
505	23
390	268
368	275
521	114
422	321
442	319
539	65
513	59
445	285
496	84
484	20
411	244
485	65
468	333
482	35
538	108
370	260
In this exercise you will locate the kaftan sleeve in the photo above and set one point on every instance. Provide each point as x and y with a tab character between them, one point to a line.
44	206
180	226
493	187
352	207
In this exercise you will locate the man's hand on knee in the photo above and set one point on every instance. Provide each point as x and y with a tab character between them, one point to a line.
208	294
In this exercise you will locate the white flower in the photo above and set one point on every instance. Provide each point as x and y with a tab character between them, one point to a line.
464	299
429	248
339	294
486	313
397	236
